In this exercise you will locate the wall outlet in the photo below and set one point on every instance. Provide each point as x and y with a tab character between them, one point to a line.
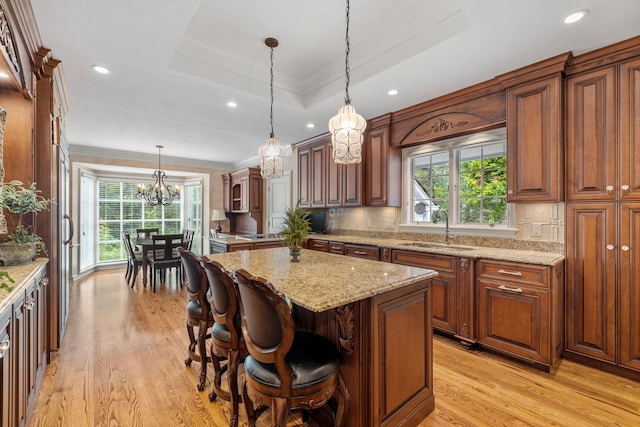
536	229
369	222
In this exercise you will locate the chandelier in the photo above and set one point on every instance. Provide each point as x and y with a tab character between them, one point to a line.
347	127
271	153
159	193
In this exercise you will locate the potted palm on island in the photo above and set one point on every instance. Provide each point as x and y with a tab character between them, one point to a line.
296	230
22	245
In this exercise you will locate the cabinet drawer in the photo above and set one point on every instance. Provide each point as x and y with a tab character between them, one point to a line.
526	274
362	251
318	245
240	247
267	245
336	248
440	263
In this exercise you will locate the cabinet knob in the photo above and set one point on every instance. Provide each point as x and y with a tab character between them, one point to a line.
624	248
610	247
609	187
4	346
509	191
28	305
624	187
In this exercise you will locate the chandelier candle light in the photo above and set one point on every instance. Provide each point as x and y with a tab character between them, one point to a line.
271	153
347	127
159	193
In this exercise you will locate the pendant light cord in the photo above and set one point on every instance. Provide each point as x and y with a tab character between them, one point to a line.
271	84
347	70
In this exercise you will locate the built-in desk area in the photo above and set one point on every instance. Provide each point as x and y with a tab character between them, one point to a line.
378	314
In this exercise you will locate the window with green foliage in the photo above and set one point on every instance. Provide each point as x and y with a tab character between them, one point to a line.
467	177
119	211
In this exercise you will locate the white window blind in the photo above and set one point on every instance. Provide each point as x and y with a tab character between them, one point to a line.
87	222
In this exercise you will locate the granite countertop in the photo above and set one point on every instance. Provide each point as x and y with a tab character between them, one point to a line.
22	275
466	251
322	281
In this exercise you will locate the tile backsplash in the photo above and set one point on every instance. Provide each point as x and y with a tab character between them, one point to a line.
539	225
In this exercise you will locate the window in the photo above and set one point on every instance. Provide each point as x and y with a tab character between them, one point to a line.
120	211
465	176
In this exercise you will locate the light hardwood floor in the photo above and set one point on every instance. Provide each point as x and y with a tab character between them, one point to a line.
122	364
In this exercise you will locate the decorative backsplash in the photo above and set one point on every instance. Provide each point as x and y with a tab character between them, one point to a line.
540	226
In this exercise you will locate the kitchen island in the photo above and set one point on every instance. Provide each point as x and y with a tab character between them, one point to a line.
378	314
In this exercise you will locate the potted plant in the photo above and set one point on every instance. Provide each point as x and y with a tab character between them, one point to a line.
296	230
21	246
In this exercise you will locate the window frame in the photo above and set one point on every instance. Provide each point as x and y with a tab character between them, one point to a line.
451	145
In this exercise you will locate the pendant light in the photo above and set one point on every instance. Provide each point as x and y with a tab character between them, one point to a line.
159	193
271	153
347	127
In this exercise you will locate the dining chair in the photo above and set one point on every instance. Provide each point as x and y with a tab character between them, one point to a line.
285	369
134	260
146	233
188	238
164	257
199	312
226	334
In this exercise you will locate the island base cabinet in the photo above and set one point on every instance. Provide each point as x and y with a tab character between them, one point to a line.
386	354
6	395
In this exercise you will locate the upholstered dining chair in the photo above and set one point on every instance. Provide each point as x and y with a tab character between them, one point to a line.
198	312
188	238
285	369
226	335
165	257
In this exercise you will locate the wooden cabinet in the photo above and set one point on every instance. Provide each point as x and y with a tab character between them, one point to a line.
336	248
534	141
318	245
603	119
226	192
246	190
362	251
520	310
452	291
219	247
603	274
324	183
7	395
383	165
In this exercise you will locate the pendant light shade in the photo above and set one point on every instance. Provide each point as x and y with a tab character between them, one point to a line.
271	153
347	127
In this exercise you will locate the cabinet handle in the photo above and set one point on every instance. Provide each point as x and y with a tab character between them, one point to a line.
28	305
335	247
504	288
624	248
610	247
44	281
609	187
4	346
317	245
359	252
511	273
624	187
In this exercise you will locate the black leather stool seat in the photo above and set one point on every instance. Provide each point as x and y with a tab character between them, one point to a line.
195	310
312	358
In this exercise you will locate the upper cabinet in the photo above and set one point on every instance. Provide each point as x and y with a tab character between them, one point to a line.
603	134
322	182
383	165
242	191
534	131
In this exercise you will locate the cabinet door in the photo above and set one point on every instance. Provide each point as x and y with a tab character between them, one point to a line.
7	393
591	280
226	192
534	142
514	318
382	169
244	194
334	180
591	135
304	169
317	176
629	282
352	184
19	352
629	134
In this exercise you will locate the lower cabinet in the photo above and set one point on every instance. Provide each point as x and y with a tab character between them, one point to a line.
6	362
219	247
521	310
362	251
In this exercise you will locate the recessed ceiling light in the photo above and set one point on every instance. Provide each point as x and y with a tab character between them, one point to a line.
232	104
310	125
100	69
393	92
3	75
575	17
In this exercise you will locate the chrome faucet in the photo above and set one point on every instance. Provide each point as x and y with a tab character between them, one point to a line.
447	237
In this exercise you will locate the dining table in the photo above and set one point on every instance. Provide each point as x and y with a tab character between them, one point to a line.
146	246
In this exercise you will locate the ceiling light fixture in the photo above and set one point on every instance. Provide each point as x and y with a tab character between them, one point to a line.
271	153
347	127
575	17
392	92
232	104
100	69
159	193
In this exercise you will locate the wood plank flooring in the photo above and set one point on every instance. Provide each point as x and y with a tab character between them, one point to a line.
122	364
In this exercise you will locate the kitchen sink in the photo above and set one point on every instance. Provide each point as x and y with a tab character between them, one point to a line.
442	246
